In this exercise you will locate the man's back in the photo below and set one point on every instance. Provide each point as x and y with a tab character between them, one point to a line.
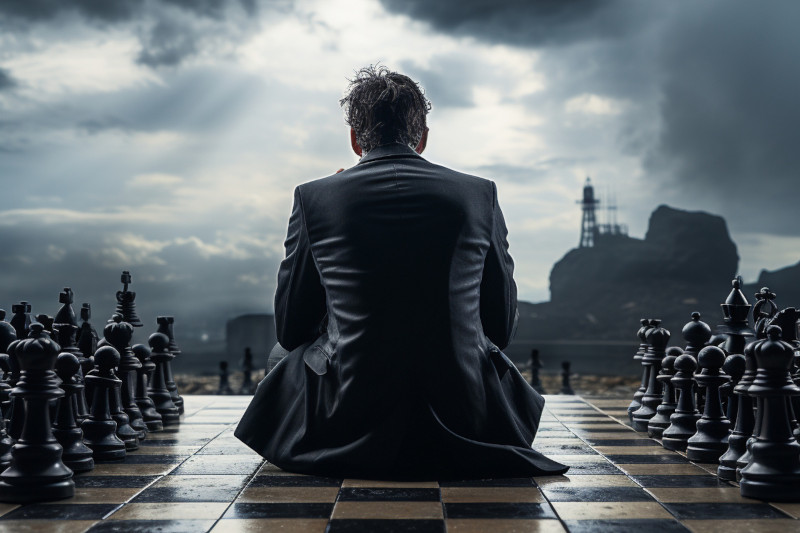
396	292
394	300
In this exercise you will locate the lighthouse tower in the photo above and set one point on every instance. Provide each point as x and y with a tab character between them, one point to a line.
589	224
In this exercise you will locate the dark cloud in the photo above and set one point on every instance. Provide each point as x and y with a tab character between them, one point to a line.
524	22
113	10
447	81
97	125
103	10
168	43
6	80
729	110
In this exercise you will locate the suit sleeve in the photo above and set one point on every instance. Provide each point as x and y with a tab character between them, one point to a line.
499	314
300	303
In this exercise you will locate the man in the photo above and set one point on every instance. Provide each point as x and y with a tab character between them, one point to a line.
394	300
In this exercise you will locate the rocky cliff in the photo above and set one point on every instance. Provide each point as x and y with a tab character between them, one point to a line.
684	263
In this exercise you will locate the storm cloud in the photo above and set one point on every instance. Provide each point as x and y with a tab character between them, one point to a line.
721	77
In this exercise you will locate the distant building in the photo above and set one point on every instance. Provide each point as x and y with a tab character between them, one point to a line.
255	331
592	232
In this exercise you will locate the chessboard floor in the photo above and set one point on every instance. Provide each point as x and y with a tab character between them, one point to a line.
198	477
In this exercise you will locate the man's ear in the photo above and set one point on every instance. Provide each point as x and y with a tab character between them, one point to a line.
423	142
354	143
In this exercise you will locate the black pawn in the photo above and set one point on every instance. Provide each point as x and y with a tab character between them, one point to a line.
566	387
150	416
750	418
166	325
773	473
5	441
7	336
711	439
36	472
76	455
736	366
660	421
247	373
657	337
126	305
100	430
119	333
160	355
536	365
224	383
636	403
682	423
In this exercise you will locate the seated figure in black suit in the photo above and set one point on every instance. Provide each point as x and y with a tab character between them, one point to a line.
394	302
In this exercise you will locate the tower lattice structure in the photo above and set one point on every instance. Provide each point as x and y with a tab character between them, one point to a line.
589	223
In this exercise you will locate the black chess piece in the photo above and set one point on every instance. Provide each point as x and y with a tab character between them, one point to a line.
66	325
160	355
711	439
751	418
536	365
126	305
682	423
773	472
566	387
47	321
100	430
16	411
636	403
247	373
118	333
736	365
660	421
697	335
657	338
36	472
87	343
77	456
7	336
5	388
166	326
6	443
735	311
21	321
150	416
224	383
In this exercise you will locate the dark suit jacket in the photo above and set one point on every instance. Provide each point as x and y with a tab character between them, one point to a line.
395	298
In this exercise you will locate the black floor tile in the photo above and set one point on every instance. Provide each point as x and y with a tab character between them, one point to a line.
647	459
154	459
213	465
368	494
596	494
568	449
500	482
113	482
621	442
700	481
279	510
386	526
624	526
594	469
711	511
60	511
294	481
498	510
152	526
193	489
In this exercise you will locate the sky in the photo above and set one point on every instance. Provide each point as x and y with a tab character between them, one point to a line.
165	137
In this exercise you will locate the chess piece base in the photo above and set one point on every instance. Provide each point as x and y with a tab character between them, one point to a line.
58	490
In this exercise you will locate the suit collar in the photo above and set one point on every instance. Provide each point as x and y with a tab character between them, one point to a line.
389	150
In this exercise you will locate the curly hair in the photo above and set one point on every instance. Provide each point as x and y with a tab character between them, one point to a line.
383	107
